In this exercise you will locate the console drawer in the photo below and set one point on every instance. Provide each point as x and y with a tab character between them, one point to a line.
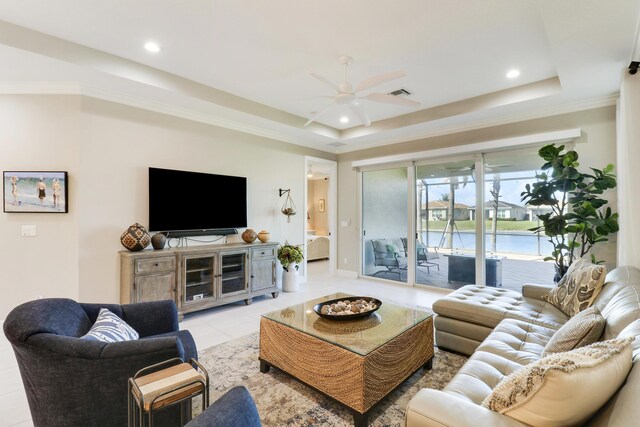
269	252
154	265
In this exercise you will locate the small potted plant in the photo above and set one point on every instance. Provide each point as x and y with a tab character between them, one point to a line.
290	256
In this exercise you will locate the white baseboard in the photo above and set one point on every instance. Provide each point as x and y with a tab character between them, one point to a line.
347	273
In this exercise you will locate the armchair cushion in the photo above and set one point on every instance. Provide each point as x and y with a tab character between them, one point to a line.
147	318
235	408
392	249
110	328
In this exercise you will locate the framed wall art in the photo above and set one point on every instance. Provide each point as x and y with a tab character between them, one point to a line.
35	191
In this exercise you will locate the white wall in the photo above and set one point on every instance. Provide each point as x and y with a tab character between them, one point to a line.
107	149
39	135
596	147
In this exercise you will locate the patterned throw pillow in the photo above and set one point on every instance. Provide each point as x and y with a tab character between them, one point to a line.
559	389
582	329
578	288
110	328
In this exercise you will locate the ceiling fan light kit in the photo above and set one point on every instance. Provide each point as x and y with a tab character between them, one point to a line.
347	96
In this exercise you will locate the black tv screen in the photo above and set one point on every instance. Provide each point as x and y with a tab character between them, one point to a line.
183	202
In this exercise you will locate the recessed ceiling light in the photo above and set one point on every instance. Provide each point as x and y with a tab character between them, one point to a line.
152	47
344	119
512	74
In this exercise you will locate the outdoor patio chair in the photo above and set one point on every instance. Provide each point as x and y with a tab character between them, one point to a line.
387	254
424	258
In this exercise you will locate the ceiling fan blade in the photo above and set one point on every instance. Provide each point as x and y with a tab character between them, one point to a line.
378	80
390	99
319	113
325	80
358	109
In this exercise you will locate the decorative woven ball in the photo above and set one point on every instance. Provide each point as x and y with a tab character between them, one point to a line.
264	236
249	235
135	238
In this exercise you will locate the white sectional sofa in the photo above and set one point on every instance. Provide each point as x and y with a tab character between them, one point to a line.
503	331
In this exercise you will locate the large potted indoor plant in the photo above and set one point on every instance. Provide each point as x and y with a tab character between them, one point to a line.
290	256
578	217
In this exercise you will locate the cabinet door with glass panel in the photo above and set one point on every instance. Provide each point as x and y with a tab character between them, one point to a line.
233	273
199	278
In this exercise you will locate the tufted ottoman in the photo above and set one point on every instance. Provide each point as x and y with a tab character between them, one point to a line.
468	315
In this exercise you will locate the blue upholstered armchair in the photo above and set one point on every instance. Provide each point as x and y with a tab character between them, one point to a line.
76	382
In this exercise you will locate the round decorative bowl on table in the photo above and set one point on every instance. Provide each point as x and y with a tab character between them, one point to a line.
318	308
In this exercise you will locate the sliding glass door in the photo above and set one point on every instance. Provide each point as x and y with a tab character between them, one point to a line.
514	254
445	231
385	223
469	223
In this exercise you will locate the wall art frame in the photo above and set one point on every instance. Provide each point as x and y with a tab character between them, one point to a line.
35	191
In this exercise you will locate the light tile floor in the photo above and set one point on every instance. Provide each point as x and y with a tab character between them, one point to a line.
221	324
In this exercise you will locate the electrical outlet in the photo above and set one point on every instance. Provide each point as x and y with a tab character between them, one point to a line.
345	261
29	231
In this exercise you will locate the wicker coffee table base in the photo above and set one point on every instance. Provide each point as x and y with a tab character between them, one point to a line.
356	381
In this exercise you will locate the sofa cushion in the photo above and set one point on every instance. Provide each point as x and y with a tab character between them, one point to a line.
558	389
512	345
487	306
110	328
582	329
578	288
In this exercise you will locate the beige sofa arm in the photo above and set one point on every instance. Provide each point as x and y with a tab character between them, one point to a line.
535	291
434	408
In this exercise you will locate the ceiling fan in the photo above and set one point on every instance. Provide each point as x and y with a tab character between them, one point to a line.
347	95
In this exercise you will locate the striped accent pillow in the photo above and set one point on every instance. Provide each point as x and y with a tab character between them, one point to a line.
582	329
110	328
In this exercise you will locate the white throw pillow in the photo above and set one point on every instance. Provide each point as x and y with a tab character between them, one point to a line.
564	388
110	328
582	329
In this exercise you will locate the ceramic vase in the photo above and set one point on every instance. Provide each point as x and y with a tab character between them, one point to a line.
249	235
264	236
290	279
158	241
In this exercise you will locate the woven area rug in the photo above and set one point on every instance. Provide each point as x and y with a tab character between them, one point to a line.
283	401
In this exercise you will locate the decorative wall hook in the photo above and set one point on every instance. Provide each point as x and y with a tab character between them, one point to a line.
289	208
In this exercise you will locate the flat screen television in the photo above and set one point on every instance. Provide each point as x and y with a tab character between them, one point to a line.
185	203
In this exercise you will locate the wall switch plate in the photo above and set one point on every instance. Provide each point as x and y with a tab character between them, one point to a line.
29	231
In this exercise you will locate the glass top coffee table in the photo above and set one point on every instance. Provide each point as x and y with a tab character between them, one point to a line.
355	362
